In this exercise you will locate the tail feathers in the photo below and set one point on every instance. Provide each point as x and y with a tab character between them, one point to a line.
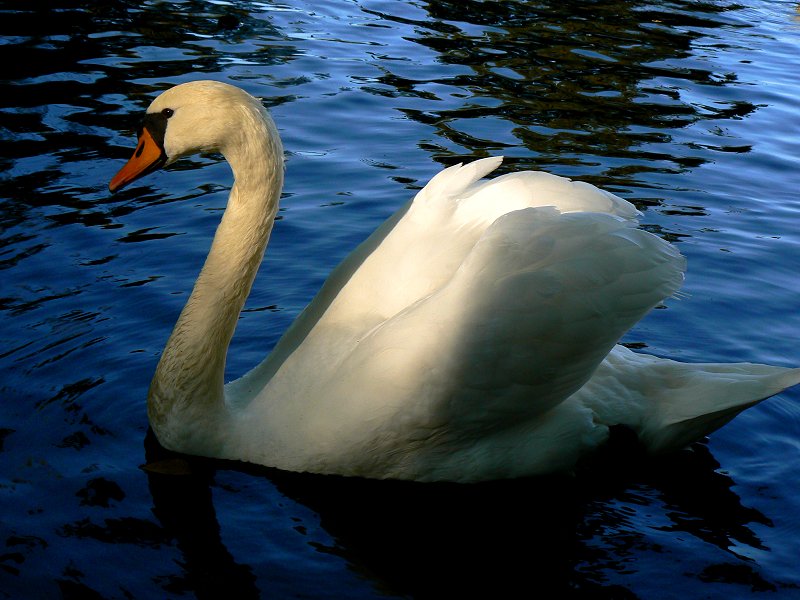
696	399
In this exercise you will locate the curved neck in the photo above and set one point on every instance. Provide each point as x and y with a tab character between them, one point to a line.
188	384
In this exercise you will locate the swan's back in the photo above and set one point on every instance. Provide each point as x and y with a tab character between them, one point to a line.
477	309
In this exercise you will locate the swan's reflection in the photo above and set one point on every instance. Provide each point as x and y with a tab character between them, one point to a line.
184	506
450	540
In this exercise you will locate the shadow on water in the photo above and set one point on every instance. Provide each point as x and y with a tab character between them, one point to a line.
549	534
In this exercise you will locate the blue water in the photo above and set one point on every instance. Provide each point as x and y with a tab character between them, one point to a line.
688	109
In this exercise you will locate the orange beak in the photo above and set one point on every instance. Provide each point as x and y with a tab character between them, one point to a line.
148	157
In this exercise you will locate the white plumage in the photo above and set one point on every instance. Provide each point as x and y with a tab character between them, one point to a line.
471	337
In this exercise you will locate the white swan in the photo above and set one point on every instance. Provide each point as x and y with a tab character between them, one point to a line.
471	337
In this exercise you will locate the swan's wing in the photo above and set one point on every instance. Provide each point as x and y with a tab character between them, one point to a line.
419	249
417	252
477	307
532	311
412	254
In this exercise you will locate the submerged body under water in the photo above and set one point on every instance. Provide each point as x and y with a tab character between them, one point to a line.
687	110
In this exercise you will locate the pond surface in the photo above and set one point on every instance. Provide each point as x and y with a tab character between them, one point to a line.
687	109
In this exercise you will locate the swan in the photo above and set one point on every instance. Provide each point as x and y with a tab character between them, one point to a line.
473	336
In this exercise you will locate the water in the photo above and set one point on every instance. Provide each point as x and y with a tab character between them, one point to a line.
687	109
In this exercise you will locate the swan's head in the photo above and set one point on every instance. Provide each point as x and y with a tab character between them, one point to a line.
199	116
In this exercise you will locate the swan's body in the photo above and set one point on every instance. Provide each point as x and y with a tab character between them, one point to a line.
471	337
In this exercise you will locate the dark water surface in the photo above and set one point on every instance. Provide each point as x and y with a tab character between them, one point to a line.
688	109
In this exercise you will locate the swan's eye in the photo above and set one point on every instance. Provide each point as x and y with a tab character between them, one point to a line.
167	112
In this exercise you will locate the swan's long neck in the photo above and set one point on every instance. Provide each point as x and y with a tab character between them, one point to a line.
186	396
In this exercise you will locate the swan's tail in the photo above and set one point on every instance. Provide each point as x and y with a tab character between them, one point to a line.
699	398
672	404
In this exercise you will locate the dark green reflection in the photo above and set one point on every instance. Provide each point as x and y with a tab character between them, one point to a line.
579	82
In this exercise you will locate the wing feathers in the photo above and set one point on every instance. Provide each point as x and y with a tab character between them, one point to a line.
533	310
454	181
